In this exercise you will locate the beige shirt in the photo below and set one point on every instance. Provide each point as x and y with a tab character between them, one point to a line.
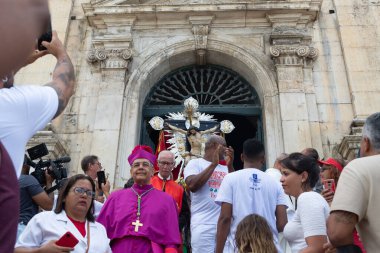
358	192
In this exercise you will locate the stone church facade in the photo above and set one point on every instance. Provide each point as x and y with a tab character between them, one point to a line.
312	66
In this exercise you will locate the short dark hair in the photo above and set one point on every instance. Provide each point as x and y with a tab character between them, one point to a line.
311	152
253	149
86	160
299	163
64	191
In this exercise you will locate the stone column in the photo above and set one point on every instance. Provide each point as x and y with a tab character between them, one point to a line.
291	56
110	57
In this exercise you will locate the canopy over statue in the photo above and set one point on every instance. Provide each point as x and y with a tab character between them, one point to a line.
185	133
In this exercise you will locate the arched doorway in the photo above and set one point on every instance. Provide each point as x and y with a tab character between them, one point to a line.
220	91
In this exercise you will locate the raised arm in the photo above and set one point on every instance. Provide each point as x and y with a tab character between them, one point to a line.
195	182
63	75
210	130
174	128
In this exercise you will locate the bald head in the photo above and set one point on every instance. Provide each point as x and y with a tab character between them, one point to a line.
167	154
213	140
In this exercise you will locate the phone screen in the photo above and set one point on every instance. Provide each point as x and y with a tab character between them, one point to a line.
329	184
101	178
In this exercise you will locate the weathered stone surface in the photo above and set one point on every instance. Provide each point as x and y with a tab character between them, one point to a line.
314	65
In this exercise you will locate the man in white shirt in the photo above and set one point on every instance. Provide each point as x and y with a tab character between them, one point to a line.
203	177
249	191
356	201
23	111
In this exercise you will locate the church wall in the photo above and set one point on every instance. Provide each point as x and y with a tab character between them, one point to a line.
314	107
360	33
346	74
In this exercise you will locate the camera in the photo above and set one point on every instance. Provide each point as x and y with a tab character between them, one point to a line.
47	36
54	167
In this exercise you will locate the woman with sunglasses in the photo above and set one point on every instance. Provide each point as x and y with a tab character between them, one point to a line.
74	214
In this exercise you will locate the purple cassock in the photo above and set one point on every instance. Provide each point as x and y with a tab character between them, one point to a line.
158	216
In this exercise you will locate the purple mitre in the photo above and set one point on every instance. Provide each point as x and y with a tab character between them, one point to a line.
142	151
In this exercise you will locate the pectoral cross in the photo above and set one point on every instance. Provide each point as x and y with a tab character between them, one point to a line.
137	224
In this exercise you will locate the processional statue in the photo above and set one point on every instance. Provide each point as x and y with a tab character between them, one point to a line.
186	132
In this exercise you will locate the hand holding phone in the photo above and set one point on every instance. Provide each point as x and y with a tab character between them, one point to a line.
67	240
47	36
329	184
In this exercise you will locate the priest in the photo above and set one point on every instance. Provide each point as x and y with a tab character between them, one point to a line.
141	218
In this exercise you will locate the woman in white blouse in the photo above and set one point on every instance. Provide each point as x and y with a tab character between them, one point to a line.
74	213
306	232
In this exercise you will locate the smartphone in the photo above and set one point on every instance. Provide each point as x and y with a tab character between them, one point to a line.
67	240
101	178
329	184
47	36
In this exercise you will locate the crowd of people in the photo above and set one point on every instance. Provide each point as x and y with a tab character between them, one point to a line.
302	204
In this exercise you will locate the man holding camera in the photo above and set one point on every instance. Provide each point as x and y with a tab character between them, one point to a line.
24	110
32	196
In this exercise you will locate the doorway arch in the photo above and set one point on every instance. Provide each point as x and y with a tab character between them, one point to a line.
219	91
251	63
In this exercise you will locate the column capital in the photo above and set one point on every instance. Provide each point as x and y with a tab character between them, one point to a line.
293	54
110	58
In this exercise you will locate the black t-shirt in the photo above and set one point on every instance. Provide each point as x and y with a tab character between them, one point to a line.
29	187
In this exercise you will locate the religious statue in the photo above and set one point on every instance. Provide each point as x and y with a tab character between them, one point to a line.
195	139
188	143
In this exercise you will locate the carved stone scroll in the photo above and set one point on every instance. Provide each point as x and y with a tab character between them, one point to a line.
110	58
292	55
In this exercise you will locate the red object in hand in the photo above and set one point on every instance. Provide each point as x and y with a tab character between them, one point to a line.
329	184
67	240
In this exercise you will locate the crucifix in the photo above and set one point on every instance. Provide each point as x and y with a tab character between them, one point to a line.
137	224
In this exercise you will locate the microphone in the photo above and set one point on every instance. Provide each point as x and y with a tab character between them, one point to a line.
64	159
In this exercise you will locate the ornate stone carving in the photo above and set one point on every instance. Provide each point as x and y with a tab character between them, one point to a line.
200	35
201	29
292	55
110	58
350	145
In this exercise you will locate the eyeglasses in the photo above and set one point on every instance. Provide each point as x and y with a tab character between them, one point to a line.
80	191
99	164
137	165
163	163
325	168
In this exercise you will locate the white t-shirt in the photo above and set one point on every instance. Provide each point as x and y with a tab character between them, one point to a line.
203	208
251	191
23	111
274	173
309	220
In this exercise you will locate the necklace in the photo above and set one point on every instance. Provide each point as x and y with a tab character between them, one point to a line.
137	223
